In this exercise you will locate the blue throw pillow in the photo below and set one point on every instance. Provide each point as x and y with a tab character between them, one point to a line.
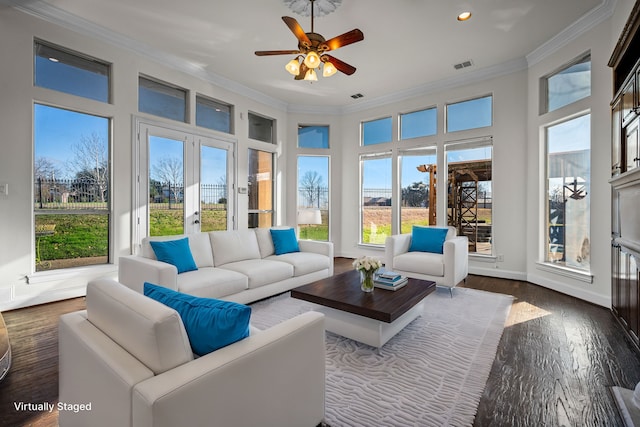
175	252
428	239
285	241
210	323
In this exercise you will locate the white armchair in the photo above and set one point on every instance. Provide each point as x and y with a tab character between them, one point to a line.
127	361
446	269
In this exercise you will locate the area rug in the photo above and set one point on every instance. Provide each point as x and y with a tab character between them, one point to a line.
432	373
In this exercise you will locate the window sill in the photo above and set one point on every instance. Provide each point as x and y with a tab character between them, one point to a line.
565	271
69	273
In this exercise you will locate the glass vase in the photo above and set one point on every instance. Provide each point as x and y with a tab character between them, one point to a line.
366	280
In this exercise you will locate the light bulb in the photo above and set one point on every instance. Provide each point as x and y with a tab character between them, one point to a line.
311	75
312	60
328	69
293	67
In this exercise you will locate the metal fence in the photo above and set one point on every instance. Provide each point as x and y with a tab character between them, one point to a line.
73	194
167	195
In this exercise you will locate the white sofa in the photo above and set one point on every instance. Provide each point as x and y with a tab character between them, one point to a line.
237	265
446	269
126	361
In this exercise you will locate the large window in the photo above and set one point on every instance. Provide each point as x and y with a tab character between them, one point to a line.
377	131
260	188
568	151
471	114
71	188
572	83
469	204
66	71
162	99
419	123
375	199
313	197
417	189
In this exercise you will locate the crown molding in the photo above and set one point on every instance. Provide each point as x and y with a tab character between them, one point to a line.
585	23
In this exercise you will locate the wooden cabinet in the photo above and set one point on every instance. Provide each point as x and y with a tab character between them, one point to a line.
628	97
625	291
631	147
625	177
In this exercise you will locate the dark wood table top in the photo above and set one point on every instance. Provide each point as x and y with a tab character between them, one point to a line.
342	292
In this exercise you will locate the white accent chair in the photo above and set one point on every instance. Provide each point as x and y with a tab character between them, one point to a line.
128	357
446	269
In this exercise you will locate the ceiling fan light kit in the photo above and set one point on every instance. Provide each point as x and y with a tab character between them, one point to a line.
312	47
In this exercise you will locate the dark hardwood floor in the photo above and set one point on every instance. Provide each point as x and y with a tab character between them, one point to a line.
557	359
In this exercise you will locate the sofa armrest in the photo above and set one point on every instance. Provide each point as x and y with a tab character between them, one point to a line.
394	246
456	259
275	377
94	369
322	248
134	270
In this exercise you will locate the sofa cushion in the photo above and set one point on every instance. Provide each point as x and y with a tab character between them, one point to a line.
199	243
428	239
232	246
303	262
212	282
284	241
175	252
265	242
152	332
262	271
211	324
420	262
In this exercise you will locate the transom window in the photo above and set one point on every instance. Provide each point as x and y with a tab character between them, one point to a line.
261	128
71	72
162	99
377	131
313	136
568	85
214	114
471	114
419	123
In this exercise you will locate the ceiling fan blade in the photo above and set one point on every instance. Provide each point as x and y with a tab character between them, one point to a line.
276	52
340	65
302	73
345	39
297	31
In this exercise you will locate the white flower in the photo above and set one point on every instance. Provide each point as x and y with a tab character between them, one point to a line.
367	263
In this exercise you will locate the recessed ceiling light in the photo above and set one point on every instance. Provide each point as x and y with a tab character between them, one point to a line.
464	16
52	59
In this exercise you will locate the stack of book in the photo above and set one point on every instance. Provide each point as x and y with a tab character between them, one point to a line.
389	280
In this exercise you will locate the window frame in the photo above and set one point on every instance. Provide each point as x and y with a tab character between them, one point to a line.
544	83
328	139
214	103
363	124
476	98
272	134
433	108
362	158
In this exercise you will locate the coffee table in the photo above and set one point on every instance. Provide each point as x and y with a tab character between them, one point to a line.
370	318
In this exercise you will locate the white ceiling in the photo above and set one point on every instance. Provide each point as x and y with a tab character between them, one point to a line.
408	44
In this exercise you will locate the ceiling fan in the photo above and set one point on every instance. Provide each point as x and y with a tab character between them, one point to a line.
311	53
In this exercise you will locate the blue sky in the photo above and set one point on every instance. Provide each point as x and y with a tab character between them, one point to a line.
57	130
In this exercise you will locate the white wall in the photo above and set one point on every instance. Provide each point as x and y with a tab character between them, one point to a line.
17	32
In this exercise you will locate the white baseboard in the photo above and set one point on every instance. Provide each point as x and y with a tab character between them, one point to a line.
496	272
44	297
573	291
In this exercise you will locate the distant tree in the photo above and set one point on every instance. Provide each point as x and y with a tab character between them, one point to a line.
90	162
169	172
415	195
222	182
45	169
310	185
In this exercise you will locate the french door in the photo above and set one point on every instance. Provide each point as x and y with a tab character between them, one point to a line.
184	183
